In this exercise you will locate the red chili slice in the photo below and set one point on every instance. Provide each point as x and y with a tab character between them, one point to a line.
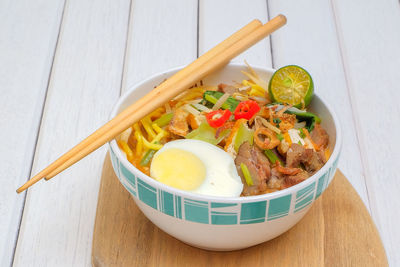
217	118
246	110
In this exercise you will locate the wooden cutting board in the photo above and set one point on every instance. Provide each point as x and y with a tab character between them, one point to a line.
337	231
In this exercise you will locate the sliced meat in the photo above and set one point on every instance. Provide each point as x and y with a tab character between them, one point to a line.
321	155
312	160
294	155
258	166
276	180
319	136
178	124
227	88
292	180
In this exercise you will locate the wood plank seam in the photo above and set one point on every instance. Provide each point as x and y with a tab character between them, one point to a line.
360	142
198	29
330	45
126	52
78	34
127	49
370	48
32	157
270	37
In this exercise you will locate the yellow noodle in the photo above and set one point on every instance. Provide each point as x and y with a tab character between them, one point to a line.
151	145
146	122
156	113
256	89
125	147
139	143
157	128
254	92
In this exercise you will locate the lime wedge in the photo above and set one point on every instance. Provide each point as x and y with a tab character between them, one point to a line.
291	85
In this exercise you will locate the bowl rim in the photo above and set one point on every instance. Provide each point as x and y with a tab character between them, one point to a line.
122	159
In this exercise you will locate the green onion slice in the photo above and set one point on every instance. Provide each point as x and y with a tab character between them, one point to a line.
147	157
164	119
246	174
272	156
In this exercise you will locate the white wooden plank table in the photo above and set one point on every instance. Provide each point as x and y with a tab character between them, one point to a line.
64	63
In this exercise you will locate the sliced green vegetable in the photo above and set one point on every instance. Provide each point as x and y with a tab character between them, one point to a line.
147	157
302	134
246	174
164	119
280	137
211	97
206	133
214	100
244	134
308	117
310	125
272	156
301	115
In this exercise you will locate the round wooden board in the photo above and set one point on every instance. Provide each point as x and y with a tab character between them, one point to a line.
337	231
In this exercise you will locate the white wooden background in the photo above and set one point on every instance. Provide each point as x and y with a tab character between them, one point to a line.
64	63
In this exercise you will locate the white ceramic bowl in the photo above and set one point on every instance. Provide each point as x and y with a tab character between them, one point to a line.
221	223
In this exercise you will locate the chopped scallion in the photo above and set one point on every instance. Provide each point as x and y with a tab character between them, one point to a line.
272	156
246	174
214	100
302	134
244	134
213	96
164	119
147	157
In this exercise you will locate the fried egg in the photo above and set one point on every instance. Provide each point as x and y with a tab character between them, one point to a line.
198	167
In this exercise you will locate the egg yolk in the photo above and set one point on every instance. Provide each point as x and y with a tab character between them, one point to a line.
178	168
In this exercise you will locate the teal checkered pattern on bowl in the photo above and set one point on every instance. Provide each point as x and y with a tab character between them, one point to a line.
219	213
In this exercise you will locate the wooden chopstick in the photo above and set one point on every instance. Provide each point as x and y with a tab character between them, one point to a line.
209	62
135	108
60	163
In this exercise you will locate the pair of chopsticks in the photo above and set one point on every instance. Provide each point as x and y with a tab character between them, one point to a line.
214	59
